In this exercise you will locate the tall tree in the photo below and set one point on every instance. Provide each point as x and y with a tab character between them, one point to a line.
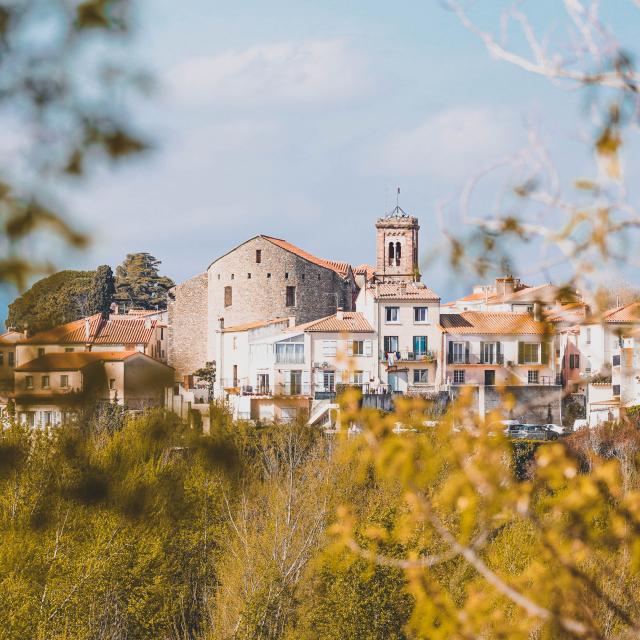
138	283
54	300
102	290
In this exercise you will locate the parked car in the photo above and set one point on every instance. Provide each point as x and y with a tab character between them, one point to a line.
531	432
558	428
513	430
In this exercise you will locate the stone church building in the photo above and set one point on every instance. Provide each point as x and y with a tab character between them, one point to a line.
263	278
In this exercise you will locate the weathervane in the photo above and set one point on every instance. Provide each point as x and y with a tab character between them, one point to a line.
398	211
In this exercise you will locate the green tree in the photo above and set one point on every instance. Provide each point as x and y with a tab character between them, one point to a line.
102	290
208	375
54	300
138	283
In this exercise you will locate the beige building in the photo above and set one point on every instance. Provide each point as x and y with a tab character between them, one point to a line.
51	388
8	342
95	333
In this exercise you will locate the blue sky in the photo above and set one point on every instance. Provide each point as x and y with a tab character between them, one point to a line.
299	119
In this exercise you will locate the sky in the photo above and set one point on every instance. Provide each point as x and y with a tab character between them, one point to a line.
300	119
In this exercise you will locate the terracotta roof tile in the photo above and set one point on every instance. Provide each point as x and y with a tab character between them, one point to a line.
404	291
73	361
115	330
351	322
364	270
624	314
486	322
341	268
254	325
9	338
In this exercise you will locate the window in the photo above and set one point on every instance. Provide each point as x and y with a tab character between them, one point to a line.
398	252
490	353
45	382
616	360
12	358
587	368
458	352
68	349
228	296
419	314
329	380
391	253
29	382
588	335
392	314
302	277
329	347
420	345
532	377
358	377
390	344
235	375
263	383
358	347
574	361
268	276
420	376
295	382
258	256
458	376
235	343
290	352
1	358
40	352
291	297
528	353
248	276
286	276
64	381
218	276
616	390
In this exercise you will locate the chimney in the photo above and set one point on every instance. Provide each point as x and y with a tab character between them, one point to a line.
537	311
87	330
505	286
147	323
340	313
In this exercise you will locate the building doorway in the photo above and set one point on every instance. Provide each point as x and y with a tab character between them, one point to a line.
489	378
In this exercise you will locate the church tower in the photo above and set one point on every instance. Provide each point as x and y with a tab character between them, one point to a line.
397	247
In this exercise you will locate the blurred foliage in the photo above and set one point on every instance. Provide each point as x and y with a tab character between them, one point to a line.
63	88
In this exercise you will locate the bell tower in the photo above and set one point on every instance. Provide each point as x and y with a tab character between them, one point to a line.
397	247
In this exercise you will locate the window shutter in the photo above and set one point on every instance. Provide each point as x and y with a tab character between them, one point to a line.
366	376
350	347
305	381
545	353
339	376
520	352
577	361
466	352
450	358
368	347
498	352
319	379
481	352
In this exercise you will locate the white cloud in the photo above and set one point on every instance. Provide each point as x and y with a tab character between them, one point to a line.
288	72
449	144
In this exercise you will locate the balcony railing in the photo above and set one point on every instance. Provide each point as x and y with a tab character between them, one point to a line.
293	389
407	356
473	358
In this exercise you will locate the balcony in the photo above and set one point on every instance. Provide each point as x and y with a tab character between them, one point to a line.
408	356
292	389
472	358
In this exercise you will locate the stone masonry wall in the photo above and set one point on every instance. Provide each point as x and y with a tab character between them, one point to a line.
258	290
187	343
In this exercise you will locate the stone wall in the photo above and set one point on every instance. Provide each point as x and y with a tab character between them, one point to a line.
187	343
258	289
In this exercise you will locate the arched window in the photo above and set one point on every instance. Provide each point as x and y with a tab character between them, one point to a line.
391	253
398	254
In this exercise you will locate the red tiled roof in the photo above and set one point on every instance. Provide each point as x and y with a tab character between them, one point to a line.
115	330
351	322
74	360
364	270
253	325
486	322
404	291
341	268
572	312
626	313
